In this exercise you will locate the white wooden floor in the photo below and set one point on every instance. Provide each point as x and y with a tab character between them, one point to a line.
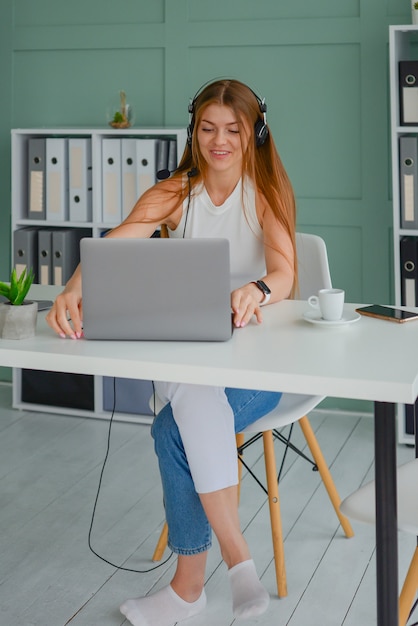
49	473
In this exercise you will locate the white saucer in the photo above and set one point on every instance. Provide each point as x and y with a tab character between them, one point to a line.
314	317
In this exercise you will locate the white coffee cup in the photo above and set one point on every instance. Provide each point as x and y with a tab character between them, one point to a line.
330	303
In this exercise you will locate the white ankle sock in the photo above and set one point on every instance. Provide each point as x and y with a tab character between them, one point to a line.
163	608
249	598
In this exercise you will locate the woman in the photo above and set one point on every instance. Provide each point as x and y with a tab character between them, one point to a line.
230	183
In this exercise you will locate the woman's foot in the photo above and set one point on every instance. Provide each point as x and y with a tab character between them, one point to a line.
249	598
163	608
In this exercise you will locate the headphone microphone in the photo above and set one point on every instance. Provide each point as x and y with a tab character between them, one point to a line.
164	174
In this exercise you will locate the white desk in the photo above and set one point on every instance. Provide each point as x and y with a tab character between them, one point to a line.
371	360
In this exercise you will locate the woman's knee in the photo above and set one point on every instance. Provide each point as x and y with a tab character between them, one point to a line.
164	430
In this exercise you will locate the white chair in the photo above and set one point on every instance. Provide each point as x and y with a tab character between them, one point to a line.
360	506
313	275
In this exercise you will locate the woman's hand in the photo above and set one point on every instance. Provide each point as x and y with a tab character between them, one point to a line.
245	303
68	308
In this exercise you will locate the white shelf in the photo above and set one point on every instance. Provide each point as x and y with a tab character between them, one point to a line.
19	219
400	39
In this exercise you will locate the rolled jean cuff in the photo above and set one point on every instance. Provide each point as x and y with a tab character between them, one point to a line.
189	551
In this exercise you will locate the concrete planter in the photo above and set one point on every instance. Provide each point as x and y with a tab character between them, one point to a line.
18	322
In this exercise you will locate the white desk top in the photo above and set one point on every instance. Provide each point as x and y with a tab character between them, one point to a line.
368	360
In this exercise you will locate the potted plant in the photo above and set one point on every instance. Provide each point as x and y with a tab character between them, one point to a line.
121	114
17	315
414	9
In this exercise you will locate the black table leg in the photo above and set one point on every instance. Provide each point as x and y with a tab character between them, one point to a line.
386	514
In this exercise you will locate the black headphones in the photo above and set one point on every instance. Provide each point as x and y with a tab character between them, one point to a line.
260	127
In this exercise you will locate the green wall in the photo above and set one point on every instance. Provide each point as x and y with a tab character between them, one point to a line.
322	67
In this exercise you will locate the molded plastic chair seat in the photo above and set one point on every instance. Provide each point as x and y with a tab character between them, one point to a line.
360	506
290	409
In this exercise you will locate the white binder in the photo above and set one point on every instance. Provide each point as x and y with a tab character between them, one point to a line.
129	170
79	163
111	181
146	158
56	178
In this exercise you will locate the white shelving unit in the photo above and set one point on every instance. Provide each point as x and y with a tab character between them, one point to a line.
20	219
403	46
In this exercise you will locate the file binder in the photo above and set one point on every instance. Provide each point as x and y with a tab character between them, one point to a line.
408	92
111	181
25	250
146	164
45	257
162	154
56	179
409	271
65	253
172	155
408	170
36	178
132	395
129	169
80	179
409	419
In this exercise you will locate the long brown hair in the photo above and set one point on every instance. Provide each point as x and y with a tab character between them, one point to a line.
262	164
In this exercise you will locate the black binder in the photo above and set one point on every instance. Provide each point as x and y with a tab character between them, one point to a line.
408	92
409	271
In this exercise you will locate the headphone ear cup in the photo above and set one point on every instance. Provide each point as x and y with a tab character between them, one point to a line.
260	132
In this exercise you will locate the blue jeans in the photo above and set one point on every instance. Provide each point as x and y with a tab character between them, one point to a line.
189	529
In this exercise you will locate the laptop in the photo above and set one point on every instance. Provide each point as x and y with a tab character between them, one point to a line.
156	289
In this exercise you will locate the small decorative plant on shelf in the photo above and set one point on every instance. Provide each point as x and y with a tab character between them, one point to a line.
17	315
122	117
414	9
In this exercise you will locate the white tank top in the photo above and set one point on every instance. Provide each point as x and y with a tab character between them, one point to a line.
229	221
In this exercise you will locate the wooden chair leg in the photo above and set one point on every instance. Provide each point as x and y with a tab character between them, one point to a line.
409	590
316	452
161	545
275	517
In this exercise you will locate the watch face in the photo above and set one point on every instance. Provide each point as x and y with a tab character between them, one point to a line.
263	287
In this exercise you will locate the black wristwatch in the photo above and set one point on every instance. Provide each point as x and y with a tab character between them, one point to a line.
266	291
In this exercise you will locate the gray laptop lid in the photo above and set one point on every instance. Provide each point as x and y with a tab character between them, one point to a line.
156	289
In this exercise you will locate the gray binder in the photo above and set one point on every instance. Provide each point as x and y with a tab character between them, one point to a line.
25	250
45	257
408	170
65	253
36	178
172	155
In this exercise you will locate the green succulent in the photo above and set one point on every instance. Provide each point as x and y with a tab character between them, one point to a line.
117	118
17	291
